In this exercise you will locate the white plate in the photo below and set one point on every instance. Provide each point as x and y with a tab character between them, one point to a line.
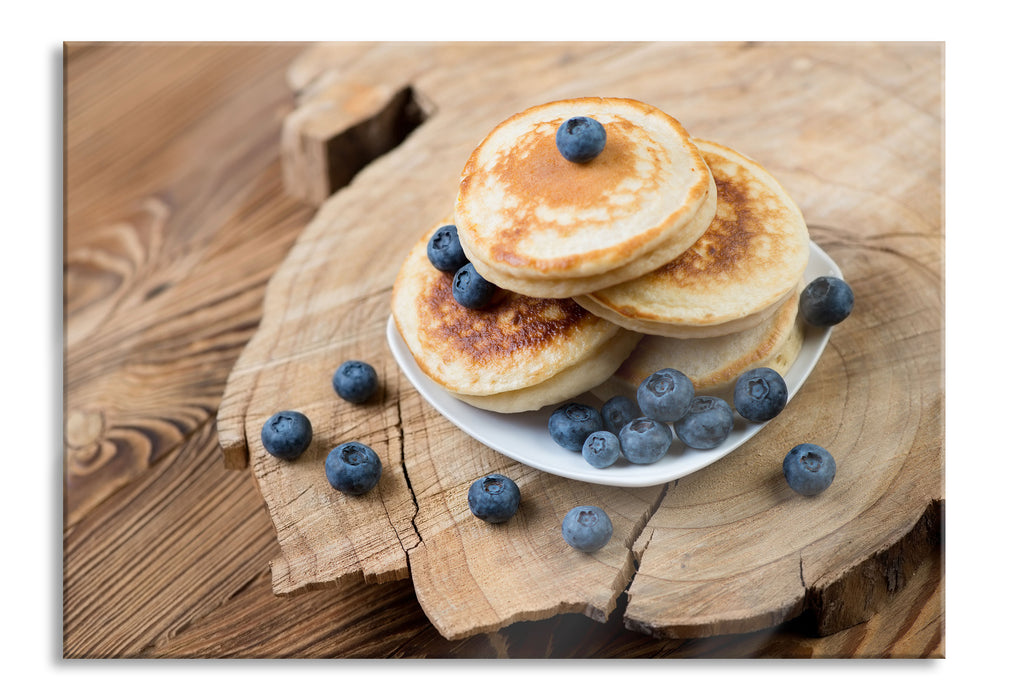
524	437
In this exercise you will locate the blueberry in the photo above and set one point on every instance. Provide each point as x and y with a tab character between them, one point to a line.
569	425
286	434
618	412
470	289
826	301
353	468
760	394
809	469
645	440
445	251
494	498
587	528
580	139
706	424
355	381
601	449
665	395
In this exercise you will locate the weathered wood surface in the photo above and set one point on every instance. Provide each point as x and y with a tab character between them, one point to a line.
176	218
852	131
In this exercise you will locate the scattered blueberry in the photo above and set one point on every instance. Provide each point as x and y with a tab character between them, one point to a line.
618	412
809	469
494	498
470	289
355	381
353	468
601	449
760	394
286	434
665	395
706	424
645	440
826	301
580	139
587	528
569	425
445	251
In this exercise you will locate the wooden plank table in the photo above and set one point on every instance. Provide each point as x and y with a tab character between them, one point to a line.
177	218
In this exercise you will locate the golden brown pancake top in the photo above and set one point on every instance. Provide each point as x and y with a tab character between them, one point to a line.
511	325
523	209
535	174
516	342
745	214
749	258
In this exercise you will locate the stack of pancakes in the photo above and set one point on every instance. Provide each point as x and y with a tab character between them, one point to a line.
663	251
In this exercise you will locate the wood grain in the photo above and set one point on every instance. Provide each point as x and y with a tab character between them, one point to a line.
852	131
165	550
148	340
889	479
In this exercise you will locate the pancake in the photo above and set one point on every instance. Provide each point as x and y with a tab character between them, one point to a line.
734	276
714	364
641	266
519	354
532	222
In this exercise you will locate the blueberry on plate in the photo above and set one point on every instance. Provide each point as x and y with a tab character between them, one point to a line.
355	381
470	289
665	395
645	440
760	394
809	469
706	424
353	468
286	434
569	425
618	412
494	498
601	449
580	139
445	251
826	301
587	528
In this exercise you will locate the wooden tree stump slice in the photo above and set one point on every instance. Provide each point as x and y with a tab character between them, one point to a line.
889	456
853	132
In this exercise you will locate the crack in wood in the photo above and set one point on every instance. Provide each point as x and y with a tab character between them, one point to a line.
302	493
409	486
